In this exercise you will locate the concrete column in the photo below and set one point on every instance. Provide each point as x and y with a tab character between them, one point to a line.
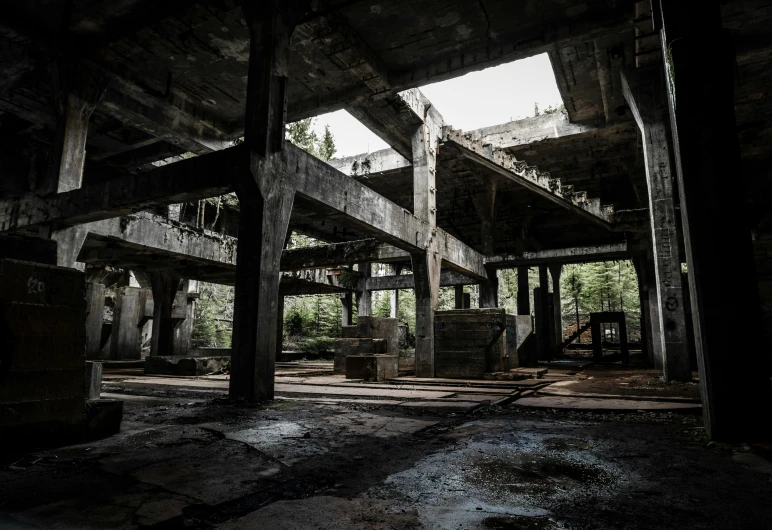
643	297
77	90
426	270
426	265
69	242
544	332
700	68
266	192
557	305
364	297
485	205
165	286
425	144
523	292
184	314
645	95
653	322
128	313
95	306
345	302
394	294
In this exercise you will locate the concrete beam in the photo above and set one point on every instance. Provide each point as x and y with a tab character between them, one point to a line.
407	281
339	254
144	231
209	175
154	115
362	165
530	178
395	117
531	130
563	255
188	180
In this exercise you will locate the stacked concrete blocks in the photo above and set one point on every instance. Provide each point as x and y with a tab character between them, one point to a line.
42	351
472	342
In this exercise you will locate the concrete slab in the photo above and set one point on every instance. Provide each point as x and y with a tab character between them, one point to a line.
603	405
326	512
364	392
443	406
562	388
337	381
225	470
437	381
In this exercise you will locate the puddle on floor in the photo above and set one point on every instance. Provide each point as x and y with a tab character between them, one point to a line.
533	472
518	522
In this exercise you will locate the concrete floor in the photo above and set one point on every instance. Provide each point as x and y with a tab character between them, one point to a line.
381	456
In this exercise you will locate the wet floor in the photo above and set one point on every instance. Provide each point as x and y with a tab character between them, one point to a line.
202	464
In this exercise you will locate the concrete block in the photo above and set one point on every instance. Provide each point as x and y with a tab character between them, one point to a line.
472	342
372	367
188	366
407	361
103	417
346	347
350	332
93	379
381	328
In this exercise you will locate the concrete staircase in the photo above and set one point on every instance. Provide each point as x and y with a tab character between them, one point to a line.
530	177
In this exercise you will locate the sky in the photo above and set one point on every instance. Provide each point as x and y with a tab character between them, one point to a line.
478	99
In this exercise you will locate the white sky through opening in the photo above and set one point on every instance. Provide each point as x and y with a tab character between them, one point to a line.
478	99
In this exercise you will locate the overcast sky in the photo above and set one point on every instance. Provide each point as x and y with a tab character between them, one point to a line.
479	99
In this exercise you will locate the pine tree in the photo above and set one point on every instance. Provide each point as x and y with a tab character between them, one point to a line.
326	146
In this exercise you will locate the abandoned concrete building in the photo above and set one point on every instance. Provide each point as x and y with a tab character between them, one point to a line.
120	119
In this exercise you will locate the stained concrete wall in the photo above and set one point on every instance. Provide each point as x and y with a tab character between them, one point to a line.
42	350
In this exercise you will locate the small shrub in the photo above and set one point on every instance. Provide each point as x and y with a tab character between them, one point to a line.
317	346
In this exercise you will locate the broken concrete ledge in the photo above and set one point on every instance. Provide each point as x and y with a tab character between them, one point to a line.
190	366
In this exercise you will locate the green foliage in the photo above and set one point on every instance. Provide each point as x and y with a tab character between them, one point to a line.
301	134
317	346
214	317
552	110
549	110
312	316
327	145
